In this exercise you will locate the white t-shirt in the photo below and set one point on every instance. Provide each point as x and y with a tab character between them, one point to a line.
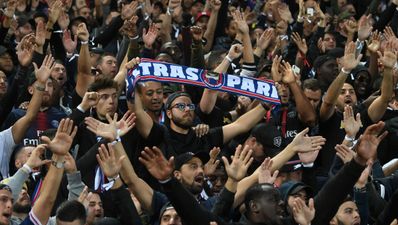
6	146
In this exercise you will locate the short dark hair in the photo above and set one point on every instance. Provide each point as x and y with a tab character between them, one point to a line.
215	59
102	83
104	55
257	191
70	211
311	84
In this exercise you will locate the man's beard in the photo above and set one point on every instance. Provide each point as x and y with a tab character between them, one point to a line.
19	208
180	122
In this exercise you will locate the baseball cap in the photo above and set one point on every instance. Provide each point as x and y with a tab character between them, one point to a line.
291	166
269	137
180	160
173	96
293	187
200	14
321	60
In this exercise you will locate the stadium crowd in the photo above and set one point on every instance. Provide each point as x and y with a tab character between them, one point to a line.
80	146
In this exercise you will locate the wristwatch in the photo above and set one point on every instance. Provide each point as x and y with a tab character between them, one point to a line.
58	165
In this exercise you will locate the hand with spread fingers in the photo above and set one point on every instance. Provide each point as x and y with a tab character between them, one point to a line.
300	42
149	37
304	143
350	61
241	161
69	43
108	162
212	164
43	73
265	175
374	43
389	56
157	165
303	214
63	139
366	147
264	40
344	153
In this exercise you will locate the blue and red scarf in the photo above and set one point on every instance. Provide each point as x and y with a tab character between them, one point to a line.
152	70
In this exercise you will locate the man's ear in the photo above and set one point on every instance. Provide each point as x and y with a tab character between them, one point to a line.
254	207
177	174
333	221
30	90
168	113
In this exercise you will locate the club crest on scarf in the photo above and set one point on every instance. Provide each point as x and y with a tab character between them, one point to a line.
152	70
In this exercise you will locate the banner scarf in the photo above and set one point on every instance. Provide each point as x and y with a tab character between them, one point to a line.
152	70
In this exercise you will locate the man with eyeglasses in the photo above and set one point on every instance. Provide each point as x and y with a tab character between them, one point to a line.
179	137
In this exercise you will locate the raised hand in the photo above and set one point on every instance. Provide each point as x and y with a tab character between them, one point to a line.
156	163
303	214
126	123
367	145
10	9
240	163
321	45
285	13
389	34
389	58
85	197
344	153
351	124
150	37
133	62
287	73
300	42
265	39
235	51
374	43
364	27
69	44
108	162
63	20
276	64
215	5
201	130
107	131
63	139
303	143
349	60
363	179
129	10
70	164
265	175
351	26
212	164
241	23
197	33
35	159
129	27
24	55
40	34
43	73
82	32
55	11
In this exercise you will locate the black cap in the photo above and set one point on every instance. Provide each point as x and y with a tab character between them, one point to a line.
321	60
293	187
77	20
185	157
173	96
269	137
